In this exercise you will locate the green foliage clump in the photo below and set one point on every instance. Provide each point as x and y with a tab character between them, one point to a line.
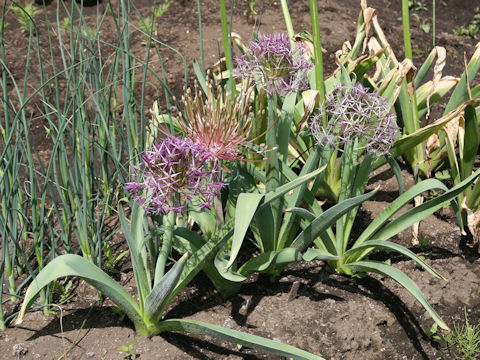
464	340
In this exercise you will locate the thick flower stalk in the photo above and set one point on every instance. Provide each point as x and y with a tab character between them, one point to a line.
355	113
175	173
274	62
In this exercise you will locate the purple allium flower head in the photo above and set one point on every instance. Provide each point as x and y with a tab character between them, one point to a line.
173	174
281	67
354	112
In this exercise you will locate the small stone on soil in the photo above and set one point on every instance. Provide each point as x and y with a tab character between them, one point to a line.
19	350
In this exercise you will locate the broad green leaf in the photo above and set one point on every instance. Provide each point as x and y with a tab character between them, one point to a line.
236	337
424	68
419	213
327	219
271	258
201	77
196	262
396	205
402	279
288	228
351	255
303	213
247	205
156	301
190	241
138	254
397	172
74	265
319	254
221	262
282	190
206	220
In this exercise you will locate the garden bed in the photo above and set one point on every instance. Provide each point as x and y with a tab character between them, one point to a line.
330	315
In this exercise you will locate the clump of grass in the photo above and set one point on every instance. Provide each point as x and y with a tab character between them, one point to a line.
464	340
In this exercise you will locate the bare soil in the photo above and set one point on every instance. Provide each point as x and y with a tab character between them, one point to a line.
332	316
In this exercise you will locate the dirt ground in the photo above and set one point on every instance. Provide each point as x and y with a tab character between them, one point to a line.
332	316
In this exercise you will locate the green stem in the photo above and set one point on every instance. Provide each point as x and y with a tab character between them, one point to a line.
317	52
406	30
200	32
288	20
433	22
225	34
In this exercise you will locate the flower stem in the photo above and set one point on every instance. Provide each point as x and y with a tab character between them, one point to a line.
406	30
288	20
317	52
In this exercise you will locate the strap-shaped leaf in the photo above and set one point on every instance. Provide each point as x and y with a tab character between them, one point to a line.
402	279
396	205
419	213
327	219
247	205
303	213
282	190
74	265
237	337
271	258
138	254
156	301
359	252
201	256
319	254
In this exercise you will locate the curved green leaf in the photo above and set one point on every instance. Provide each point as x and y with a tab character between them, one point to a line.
402	279
74	265
327	219
138	254
237	337
359	252
271	258
396	205
227	273
156	301
197	261
319	254
419	213
303	213
247	205
282	190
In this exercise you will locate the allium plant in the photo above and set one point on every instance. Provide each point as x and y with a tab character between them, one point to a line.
361	123
273	61
355	113
172	174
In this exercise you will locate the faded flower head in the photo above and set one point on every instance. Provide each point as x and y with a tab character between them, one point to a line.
355	113
173	174
221	122
281	67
